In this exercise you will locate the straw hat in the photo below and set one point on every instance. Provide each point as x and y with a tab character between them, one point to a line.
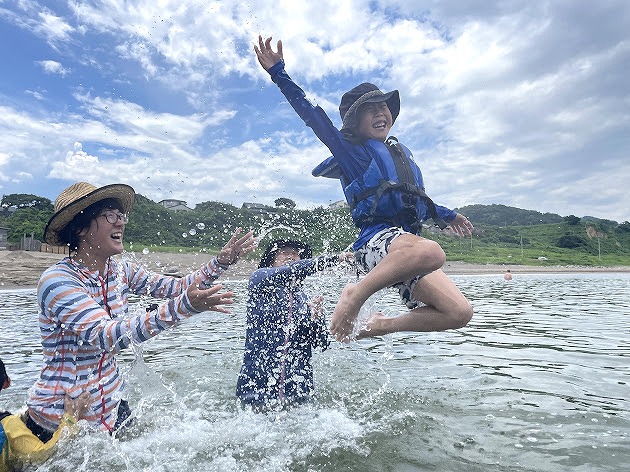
77	198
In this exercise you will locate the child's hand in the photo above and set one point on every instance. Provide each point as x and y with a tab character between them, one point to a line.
461	225
77	407
346	257
317	306
266	56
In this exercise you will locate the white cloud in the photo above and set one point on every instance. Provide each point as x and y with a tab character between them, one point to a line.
53	67
516	103
53	27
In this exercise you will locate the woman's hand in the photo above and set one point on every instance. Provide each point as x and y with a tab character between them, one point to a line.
266	56
209	299
236	247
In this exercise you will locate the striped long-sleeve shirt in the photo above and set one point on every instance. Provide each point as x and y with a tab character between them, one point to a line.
84	322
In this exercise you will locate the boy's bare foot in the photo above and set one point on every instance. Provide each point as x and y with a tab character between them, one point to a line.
345	314
374	326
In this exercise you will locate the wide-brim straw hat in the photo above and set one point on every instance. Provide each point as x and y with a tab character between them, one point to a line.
274	246
77	198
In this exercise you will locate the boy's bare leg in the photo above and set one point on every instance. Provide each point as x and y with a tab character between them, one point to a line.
446	308
409	255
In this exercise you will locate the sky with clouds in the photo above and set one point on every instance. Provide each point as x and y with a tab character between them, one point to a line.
519	103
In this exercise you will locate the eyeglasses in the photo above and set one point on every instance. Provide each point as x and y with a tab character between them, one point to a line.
112	217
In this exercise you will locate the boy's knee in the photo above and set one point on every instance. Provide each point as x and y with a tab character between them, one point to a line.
462	315
424	255
432	255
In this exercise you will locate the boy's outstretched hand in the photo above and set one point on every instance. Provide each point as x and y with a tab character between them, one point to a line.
461	225
266	56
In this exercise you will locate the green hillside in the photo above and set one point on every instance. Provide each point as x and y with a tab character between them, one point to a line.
575	243
503	235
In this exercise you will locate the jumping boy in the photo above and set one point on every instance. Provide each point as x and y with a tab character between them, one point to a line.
385	191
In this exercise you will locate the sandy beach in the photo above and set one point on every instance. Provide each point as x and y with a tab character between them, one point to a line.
22	269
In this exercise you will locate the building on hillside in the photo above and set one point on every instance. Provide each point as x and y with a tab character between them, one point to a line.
4	232
174	205
7	211
338	204
259	208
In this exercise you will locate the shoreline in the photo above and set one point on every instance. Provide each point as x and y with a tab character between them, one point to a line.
22	269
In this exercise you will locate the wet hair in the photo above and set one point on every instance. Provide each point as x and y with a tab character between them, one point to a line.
352	134
274	246
70	233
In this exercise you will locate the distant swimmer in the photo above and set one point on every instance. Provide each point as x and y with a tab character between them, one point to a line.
507	275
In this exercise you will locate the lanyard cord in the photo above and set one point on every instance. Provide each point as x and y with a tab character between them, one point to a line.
105	293
286	344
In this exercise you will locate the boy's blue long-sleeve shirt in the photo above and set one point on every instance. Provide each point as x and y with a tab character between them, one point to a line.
280	335
353	159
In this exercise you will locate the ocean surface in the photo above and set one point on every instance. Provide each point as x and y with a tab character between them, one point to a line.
538	381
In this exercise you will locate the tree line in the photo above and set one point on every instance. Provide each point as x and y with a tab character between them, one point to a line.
210	223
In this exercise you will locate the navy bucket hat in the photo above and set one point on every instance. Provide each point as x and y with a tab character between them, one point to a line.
366	93
274	246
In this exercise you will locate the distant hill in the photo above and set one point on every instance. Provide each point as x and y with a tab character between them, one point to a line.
502	215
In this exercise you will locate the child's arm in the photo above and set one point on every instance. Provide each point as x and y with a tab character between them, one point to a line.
313	116
25	445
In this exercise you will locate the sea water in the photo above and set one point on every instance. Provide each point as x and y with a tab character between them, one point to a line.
539	380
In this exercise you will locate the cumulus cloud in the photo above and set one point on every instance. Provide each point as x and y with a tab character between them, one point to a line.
53	67
516	103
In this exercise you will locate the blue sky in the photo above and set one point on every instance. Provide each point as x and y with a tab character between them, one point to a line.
517	103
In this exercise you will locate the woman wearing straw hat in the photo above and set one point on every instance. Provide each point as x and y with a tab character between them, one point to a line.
84	315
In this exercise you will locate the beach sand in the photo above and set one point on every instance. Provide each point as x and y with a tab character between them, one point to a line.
22	269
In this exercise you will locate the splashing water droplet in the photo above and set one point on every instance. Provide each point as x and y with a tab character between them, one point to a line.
145	250
192	231
201	226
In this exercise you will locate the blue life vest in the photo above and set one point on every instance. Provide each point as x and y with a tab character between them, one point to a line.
391	189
